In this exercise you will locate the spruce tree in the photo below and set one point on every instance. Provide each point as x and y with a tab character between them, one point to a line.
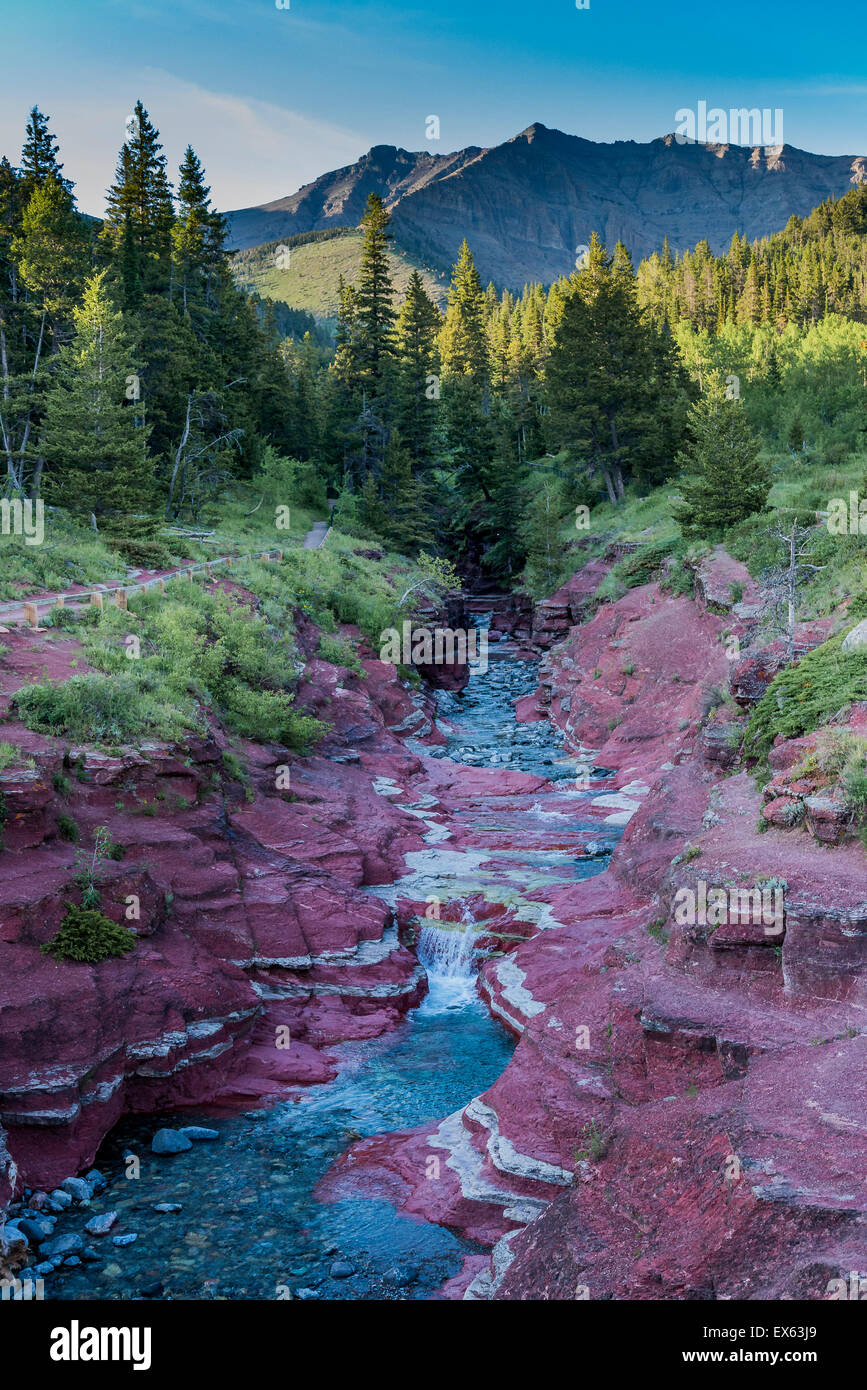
94	439
463	345
39	160
725	481
615	389
417	389
139	204
374	296
199	234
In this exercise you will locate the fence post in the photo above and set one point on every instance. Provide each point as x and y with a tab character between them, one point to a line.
31	614
120	598
96	600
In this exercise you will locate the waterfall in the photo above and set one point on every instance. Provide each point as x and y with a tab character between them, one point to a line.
445	949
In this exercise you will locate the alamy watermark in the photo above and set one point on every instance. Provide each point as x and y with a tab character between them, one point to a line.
17	519
717	907
440	646
737	126
847	518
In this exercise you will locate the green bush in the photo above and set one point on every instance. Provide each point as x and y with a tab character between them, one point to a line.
86	935
98	708
339	651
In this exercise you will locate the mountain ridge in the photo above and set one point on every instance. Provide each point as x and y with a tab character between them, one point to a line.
527	204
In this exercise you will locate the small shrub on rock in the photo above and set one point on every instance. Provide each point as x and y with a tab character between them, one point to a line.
88	936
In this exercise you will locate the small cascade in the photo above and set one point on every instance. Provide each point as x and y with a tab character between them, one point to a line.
445	949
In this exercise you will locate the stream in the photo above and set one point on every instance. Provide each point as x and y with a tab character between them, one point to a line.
250	1226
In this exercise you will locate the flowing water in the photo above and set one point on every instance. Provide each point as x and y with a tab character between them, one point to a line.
250	1225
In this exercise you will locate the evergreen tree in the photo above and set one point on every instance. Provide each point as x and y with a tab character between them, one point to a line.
51	250
725	479
39	160
615	390
139	205
463	347
198	236
94	444
417	387
374	295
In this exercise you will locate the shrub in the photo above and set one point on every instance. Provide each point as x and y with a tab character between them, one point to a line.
149	554
86	935
67	828
98	708
340	652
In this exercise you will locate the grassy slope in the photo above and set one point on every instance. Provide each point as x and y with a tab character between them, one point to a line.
310	282
648	521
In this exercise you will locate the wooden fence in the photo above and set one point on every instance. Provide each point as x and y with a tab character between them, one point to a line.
119	593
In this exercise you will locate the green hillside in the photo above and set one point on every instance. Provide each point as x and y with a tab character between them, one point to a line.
311	278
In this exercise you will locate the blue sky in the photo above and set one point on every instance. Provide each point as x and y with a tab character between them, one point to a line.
270	98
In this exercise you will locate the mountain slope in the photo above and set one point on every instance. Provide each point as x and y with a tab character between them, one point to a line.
527	204
308	277
339	198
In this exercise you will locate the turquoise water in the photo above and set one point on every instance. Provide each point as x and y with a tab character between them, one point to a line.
250	1226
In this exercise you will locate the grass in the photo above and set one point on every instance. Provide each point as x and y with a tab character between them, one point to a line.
804	696
11	756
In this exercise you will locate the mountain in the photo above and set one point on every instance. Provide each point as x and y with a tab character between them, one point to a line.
338	199
526	205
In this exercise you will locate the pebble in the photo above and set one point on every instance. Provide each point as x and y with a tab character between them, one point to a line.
168	1206
196	1132
170	1141
124	1240
96	1180
401	1277
78	1188
100	1225
60	1199
45	1267
36	1229
342	1269
307	1294
91	1256
68	1244
71	1261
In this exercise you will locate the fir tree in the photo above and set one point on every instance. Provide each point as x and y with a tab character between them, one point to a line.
463	347
417	387
374	295
199	234
615	390
39	160
94	443
139	204
725	480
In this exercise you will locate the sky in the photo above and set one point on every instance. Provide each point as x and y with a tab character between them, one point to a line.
272	97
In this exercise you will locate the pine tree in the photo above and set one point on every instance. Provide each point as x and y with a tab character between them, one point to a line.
406	521
374	296
463	347
615	389
39	160
139	204
51	249
417	388
725	481
199	234
94	441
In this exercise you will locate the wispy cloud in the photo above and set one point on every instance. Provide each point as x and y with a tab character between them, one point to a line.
253	151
